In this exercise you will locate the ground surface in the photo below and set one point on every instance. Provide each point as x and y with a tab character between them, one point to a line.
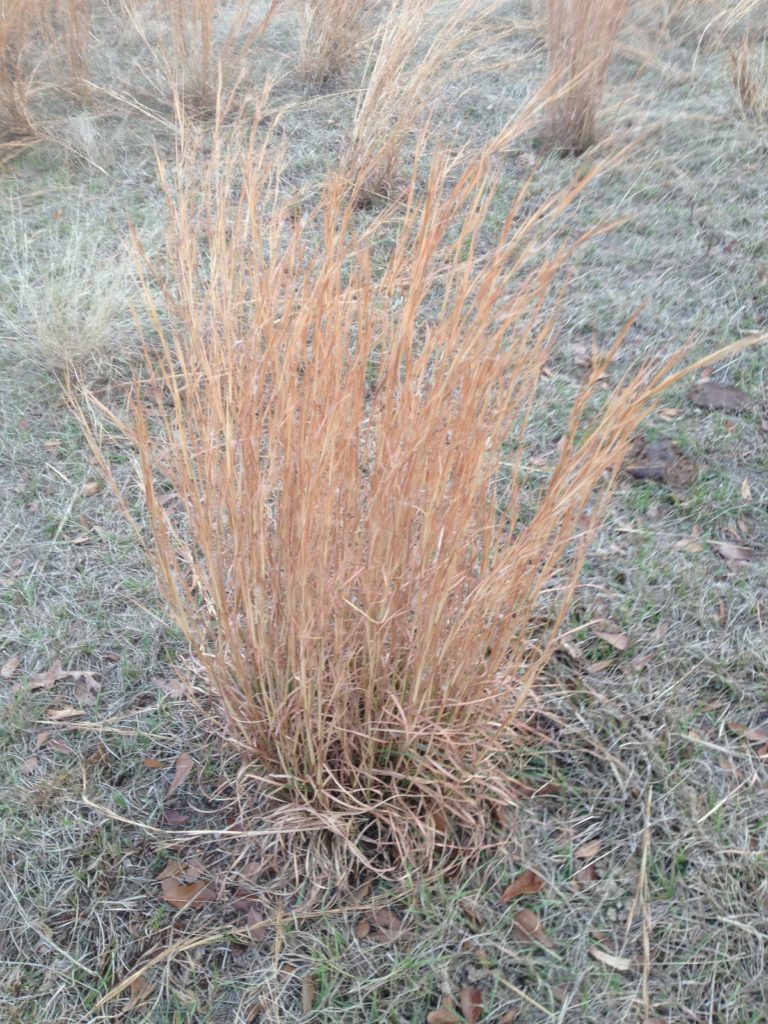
646	753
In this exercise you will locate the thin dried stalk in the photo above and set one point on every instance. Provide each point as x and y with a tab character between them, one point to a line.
344	550
581	37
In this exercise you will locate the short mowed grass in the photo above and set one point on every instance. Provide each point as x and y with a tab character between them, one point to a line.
647	750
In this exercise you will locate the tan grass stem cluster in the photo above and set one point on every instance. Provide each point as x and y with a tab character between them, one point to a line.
581	36
403	81
749	65
197	49
19	24
333	454
331	34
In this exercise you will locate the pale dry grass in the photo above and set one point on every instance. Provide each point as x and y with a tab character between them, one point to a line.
581	37
70	30
68	291
81	910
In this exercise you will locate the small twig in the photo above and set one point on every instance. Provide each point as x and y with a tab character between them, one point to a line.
168	952
523	995
726	798
75	495
641	901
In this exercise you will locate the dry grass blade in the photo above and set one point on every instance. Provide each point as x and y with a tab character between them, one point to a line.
370	594
581	36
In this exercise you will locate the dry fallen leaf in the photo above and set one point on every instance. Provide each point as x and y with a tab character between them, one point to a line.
9	668
528	926
619	641
471	1003
756	733
661	461
588	850
175	687
471	913
383	925
60	746
152	762
184	765
668	414
690	544
255	923
712	394
140	990
443	1015
735	553
171	817
91	487
45	680
61	714
308	993
526	884
41	739
87	687
584	877
618	963
746	490
194	895
386	922
28	765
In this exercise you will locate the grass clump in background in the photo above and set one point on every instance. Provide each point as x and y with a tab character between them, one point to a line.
580	36
19	22
749	68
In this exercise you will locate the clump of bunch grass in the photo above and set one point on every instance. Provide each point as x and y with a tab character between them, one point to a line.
20	24
581	37
195	50
750	78
402	86
344	420
331	34
70	30
68	289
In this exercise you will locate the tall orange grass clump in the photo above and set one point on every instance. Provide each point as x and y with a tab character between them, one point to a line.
581	37
750	78
333	454
71	29
20	23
